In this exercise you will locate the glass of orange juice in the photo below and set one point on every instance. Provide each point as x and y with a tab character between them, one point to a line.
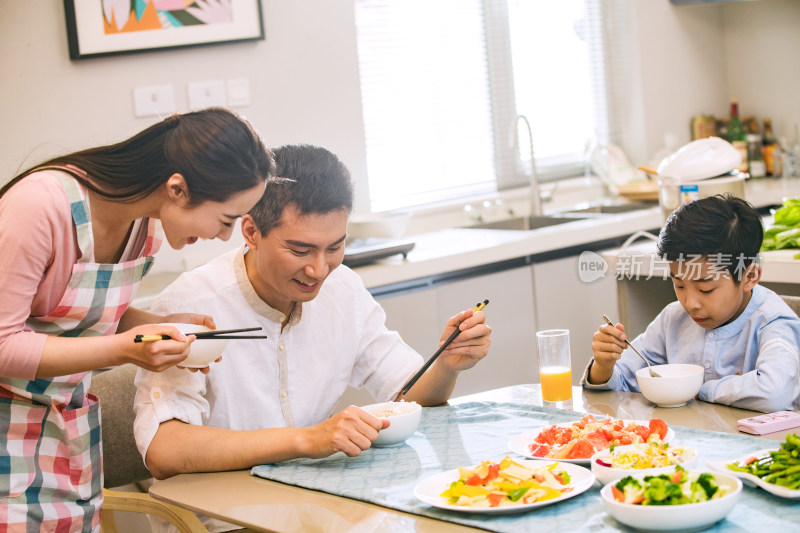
555	369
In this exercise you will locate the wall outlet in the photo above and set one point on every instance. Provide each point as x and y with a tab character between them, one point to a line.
207	93
154	101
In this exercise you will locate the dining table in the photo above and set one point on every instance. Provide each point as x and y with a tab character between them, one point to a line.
374	492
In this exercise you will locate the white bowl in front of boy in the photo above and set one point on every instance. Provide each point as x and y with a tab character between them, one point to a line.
678	383
403	420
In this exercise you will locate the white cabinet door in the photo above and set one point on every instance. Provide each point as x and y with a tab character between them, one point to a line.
510	313
413	315
563	301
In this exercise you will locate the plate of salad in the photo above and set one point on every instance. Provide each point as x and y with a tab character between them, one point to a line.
577	442
507	486
775	471
677	501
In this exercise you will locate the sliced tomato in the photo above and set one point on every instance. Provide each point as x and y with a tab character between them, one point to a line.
658	426
624	439
495	499
642	431
494	471
598	441
582	449
539	450
474	480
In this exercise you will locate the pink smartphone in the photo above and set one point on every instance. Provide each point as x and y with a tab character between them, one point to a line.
770	422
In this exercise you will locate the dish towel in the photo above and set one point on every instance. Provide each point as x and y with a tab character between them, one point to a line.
466	434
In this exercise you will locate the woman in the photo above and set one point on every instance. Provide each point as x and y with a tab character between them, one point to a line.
77	235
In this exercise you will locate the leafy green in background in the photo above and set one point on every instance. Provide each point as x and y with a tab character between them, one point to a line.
785	232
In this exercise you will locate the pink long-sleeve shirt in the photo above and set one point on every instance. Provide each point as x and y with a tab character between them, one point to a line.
38	248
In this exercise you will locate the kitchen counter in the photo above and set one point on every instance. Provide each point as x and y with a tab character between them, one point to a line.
453	249
463	248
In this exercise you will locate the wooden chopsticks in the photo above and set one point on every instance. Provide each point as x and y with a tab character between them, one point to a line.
450	339
214	334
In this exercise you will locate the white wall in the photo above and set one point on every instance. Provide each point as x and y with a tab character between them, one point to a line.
304	77
303	81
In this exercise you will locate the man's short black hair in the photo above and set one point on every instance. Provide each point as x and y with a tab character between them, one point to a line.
310	178
722	228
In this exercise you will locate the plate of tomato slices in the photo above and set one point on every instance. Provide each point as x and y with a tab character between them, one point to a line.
576	442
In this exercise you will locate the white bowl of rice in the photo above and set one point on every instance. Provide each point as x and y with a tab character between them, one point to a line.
403	420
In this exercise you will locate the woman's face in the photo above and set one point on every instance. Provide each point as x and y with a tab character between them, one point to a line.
209	220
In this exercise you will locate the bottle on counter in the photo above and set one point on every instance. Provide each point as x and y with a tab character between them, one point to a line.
755	160
770	151
790	155
737	136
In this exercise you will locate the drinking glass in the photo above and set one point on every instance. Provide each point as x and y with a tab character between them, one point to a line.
555	369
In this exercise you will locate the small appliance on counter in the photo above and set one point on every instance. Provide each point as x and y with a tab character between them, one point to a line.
361	251
702	168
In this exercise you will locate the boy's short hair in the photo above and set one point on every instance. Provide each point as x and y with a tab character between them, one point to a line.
310	178
723	229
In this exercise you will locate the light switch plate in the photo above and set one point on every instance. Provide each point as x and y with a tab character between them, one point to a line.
154	101
206	93
238	92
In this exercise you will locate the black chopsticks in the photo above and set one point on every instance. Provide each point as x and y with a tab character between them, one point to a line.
214	334
450	339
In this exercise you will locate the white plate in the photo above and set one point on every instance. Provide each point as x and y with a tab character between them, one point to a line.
429	489
750	479
519	444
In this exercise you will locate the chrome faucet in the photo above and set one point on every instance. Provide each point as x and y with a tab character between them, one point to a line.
536	201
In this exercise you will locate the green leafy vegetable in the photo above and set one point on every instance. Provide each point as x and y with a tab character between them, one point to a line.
785	231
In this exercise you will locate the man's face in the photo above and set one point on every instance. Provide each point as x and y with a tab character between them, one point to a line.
708	293
294	259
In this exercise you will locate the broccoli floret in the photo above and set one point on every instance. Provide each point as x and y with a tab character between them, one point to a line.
628	481
661	491
631	489
708	483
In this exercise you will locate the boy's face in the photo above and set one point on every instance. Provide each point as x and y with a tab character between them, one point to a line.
292	261
708	293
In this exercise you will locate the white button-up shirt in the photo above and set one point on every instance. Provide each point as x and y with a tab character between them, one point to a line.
293	378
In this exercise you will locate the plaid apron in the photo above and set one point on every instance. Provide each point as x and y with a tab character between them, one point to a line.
51	452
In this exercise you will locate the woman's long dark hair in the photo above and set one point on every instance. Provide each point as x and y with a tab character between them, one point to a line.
216	151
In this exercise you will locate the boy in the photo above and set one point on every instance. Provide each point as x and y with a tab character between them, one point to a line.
743	335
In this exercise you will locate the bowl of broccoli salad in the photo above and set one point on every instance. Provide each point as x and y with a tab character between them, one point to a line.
647	501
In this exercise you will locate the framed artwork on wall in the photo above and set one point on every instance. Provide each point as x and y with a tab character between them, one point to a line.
107	27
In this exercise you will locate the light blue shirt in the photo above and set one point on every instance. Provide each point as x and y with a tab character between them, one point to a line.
751	363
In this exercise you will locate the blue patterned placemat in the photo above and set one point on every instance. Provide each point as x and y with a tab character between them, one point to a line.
466	434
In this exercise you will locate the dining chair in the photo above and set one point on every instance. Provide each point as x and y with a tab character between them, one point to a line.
793	302
122	463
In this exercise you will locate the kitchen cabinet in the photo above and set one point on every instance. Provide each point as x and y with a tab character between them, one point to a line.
564	301
420	313
510	313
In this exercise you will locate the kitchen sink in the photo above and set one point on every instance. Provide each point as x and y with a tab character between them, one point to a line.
527	223
610	209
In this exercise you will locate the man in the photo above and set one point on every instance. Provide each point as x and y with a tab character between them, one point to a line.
271	400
